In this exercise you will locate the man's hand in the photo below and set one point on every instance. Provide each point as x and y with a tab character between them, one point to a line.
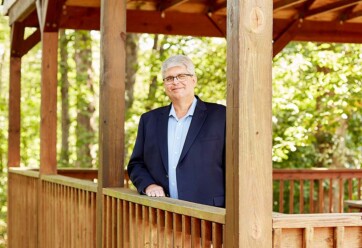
155	190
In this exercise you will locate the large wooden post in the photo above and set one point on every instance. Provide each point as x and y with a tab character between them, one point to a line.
112	101
48	125
249	126
14	112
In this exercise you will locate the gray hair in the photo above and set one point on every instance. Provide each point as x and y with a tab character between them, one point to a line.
178	60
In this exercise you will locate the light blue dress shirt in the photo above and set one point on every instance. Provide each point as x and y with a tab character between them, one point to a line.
177	131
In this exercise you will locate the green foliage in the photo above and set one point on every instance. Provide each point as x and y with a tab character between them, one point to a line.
317	106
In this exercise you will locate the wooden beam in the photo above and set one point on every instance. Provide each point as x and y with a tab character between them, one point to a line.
14	112
352	15
286	36
249	125
332	7
219	23
168	5
282	4
30	42
48	126
51	13
17	37
174	23
111	101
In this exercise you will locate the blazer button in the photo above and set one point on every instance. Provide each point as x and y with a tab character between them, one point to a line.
166	176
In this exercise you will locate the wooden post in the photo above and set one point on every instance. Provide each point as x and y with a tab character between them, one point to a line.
14	112
249	126
48	126
112	101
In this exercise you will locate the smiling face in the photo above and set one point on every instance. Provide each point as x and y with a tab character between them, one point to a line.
178	91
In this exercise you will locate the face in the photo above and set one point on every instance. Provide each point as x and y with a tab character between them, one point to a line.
180	90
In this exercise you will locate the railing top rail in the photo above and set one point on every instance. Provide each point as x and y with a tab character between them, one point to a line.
199	211
316	220
71	182
29	172
305	174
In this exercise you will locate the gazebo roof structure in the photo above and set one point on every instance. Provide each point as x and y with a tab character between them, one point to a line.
302	20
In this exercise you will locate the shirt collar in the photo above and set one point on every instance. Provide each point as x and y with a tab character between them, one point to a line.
189	113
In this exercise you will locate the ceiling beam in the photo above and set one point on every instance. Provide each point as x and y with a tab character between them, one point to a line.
352	15
165	6
332	7
286	4
286	36
324	31
218	6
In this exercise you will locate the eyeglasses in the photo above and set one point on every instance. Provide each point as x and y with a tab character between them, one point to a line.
180	77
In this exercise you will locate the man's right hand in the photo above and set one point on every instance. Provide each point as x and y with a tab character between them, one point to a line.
155	190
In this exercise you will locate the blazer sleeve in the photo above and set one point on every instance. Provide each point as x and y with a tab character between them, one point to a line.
137	169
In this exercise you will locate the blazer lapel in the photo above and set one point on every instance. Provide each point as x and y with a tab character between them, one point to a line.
197	121
162	135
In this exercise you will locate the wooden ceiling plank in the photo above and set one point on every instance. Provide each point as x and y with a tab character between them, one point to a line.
286	4
332	7
166	6
20	10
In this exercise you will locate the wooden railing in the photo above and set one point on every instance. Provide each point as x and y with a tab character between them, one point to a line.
59	211
132	220
317	230
68	212
315	191
23	208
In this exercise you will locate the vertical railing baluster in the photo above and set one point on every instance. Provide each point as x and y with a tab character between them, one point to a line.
186	231
291	196
177	230
195	232
311	196
330	195
119	223
162	228
301	196
320	196
281	196
341	195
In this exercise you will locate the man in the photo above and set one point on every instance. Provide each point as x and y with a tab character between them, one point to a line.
180	148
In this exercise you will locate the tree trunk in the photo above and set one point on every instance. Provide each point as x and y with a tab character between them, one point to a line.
64	87
131	67
85	98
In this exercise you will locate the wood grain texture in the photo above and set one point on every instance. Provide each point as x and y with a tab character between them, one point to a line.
48	125
14	112
111	102
249	129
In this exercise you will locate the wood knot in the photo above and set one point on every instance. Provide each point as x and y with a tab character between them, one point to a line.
123	36
257	20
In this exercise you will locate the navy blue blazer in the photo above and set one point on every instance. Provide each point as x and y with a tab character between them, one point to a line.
201	169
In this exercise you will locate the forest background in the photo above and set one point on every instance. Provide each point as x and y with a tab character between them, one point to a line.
317	98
